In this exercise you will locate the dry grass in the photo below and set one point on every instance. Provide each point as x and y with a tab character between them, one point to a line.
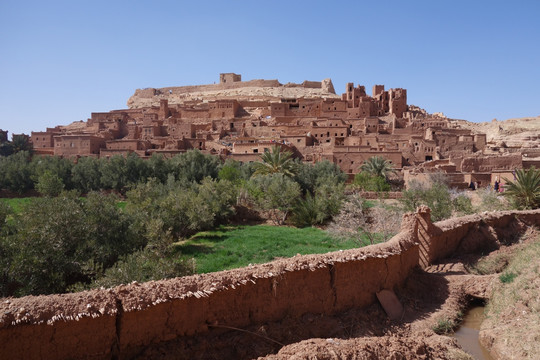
514	309
458	354
491	264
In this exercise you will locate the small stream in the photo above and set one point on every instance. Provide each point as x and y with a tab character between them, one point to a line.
467	334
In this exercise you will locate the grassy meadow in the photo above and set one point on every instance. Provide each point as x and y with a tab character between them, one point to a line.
231	247
16	204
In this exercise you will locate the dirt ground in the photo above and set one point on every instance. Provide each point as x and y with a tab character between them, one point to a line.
440	293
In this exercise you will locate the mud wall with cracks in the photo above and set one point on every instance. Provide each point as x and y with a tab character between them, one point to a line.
122	321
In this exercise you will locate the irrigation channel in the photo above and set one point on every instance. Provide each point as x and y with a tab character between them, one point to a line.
467	333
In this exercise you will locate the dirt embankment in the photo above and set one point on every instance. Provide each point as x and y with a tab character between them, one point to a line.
512	327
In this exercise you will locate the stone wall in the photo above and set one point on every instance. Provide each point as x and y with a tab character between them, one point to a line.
120	322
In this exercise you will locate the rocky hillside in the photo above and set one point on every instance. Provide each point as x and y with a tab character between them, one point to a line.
521	132
245	90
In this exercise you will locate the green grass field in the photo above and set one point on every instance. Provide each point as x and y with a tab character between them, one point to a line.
17	204
234	247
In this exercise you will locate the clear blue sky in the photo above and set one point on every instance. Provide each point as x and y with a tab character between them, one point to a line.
62	60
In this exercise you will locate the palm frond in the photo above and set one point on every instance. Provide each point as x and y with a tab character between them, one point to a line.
525	189
275	161
378	166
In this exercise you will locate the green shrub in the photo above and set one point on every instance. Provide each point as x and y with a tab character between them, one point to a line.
274	193
141	266
16	173
119	172
507	277
183	209
111	233
57	167
235	171
49	184
194	166
444	326
307	212
368	182
159	168
318	208
47	250
86	175
310	176
435	195
59	241
462	205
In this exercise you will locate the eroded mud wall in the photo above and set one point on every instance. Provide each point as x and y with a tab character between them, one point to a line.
122	321
470	233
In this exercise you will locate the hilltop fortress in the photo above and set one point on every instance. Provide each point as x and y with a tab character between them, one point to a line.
241	119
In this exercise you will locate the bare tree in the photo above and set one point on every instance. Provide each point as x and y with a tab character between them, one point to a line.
358	222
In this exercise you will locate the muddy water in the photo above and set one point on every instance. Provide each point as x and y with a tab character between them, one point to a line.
467	334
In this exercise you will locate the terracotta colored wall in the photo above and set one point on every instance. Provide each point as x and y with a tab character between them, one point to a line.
122	321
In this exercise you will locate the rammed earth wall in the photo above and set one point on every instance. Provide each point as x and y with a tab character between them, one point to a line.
120	322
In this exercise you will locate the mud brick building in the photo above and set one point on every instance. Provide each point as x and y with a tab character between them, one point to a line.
240	119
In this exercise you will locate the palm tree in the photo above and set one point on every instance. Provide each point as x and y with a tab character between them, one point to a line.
525	189
377	166
275	161
21	142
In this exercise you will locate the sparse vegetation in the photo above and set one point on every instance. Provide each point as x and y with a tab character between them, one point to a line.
458	354
444	326
514	307
461	204
490	200
490	264
366	223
